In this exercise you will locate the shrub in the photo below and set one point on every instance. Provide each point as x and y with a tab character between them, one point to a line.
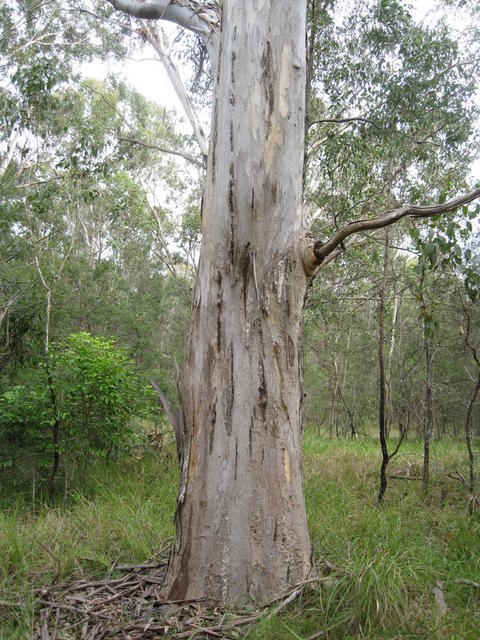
25	420
95	384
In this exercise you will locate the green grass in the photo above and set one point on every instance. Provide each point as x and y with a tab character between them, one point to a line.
385	560
123	515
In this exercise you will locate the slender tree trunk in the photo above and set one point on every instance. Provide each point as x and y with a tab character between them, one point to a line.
428	428
468	420
55	432
11	147
155	38
353	430
428	424
333	402
241	530
468	440
381	369
397	298
53	395
49	289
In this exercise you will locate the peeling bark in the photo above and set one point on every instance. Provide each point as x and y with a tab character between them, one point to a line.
241	530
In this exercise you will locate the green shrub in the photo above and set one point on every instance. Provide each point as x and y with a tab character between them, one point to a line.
26	417
94	386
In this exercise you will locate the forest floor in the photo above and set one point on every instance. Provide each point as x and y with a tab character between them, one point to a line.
407	569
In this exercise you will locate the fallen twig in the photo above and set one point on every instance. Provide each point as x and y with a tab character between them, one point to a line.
470	583
140	567
95	607
293	596
11	605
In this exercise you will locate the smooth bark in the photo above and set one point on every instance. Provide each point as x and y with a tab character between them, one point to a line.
241	530
199	17
155	38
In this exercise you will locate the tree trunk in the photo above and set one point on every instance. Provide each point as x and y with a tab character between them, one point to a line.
468	420
241	530
397	301
381	370
333	402
428	420
468	440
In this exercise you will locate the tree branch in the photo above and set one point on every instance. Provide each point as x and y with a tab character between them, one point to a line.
172	152
322	250
173	415
11	146
346	121
4	310
156	39
202	19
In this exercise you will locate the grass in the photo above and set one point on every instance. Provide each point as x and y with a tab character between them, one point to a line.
384	562
124	514
388	559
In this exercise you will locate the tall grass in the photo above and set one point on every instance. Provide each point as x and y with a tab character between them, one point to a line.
124	514
378	565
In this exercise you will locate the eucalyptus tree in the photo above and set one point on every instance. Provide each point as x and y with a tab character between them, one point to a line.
241	530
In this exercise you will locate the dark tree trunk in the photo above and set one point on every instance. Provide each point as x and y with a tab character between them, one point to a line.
381	369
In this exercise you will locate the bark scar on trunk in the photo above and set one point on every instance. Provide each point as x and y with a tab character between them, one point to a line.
219	312
229	389
232	208
311	263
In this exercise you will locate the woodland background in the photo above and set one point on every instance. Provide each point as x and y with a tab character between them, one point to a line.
100	194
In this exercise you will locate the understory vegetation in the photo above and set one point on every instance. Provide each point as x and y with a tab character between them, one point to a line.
380	568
